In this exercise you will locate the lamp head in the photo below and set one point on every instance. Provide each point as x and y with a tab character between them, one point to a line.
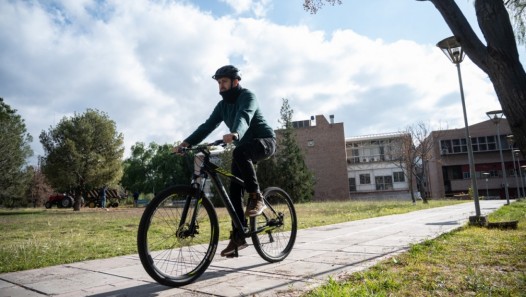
452	49
495	115
511	140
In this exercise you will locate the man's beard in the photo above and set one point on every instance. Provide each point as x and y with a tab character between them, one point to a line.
231	95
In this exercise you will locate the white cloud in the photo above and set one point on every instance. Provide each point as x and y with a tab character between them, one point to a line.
258	8
149	65
239	6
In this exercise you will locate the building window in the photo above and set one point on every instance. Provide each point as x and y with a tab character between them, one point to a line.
384	182
352	184
492	143
399	177
474	144
445	147
365	179
465	175
479	144
459	145
483	144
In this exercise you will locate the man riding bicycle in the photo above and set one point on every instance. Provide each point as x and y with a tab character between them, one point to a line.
255	140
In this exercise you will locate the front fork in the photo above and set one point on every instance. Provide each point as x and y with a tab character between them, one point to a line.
192	228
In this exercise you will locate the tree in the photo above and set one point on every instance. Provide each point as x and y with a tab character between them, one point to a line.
404	156
14	151
498	58
411	152
150	169
516	9
267	172
82	152
38	190
292	173
135	175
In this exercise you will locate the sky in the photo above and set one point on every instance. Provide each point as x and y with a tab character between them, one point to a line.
374	65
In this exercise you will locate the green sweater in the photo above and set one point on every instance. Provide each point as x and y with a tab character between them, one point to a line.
242	117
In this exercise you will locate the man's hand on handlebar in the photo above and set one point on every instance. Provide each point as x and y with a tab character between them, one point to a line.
179	150
228	138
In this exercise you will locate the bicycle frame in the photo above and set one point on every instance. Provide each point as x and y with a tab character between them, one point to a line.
208	169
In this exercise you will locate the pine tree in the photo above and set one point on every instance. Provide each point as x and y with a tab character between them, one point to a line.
14	150
83	152
291	172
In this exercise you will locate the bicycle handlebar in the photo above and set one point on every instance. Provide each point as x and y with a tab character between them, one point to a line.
202	146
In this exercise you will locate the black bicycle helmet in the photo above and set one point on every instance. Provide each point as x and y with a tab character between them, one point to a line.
227	71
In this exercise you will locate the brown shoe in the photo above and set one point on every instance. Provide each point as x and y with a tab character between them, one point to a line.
233	245
255	205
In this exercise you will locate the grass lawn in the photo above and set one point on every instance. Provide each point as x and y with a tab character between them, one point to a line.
472	261
34	238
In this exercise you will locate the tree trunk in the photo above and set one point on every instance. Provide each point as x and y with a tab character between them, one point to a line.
503	65
499	59
510	86
78	198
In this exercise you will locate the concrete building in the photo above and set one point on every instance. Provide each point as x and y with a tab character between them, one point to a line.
448	174
373	169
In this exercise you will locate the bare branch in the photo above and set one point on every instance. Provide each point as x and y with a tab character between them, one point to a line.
313	6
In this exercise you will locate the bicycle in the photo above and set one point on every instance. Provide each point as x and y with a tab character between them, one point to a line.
179	230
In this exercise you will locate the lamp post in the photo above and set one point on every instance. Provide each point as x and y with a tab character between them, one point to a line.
523	194
511	143
453	50
496	116
486	174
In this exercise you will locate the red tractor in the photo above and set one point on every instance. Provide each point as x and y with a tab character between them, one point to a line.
60	200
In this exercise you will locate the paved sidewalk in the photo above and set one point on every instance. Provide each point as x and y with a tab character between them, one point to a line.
334	250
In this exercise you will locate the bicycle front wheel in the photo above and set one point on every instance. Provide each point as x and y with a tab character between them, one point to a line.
274	231
172	251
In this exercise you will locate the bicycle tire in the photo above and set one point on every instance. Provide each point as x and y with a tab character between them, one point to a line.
167	256
272	241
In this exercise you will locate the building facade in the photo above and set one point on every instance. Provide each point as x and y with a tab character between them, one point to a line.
447	172
374	169
323	144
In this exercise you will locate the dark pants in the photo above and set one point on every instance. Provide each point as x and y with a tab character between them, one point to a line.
244	157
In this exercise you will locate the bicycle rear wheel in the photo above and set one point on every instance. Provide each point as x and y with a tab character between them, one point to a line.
172	252
274	231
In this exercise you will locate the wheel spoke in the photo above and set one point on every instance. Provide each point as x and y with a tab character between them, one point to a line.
178	255
275	230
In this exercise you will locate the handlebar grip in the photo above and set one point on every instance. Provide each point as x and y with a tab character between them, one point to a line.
181	151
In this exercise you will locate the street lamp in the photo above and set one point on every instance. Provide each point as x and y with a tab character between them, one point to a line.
496	116
486	174
452	49
520	172
511	142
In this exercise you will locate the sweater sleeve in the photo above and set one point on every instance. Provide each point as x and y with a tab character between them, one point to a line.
247	108
206	128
